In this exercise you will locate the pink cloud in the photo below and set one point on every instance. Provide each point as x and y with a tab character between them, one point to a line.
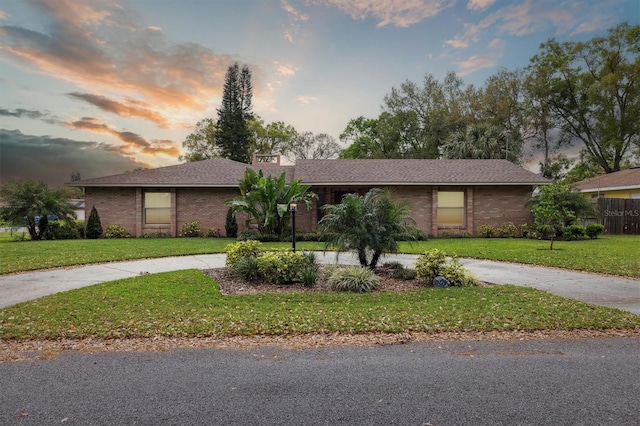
401	13
102	48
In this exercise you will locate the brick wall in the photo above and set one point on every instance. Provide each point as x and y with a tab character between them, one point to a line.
495	205
204	205
116	206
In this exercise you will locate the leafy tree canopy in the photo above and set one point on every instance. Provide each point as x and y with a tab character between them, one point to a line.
593	91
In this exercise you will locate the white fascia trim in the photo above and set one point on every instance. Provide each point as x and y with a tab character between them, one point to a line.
611	188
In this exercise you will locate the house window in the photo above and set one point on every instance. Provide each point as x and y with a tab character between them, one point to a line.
451	210
157	207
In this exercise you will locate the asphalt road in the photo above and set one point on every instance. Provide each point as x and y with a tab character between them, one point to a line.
544	382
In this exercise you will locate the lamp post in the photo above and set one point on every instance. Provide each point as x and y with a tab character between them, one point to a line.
293	206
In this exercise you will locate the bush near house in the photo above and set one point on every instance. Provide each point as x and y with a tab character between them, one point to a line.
433	263
191	230
593	230
94	226
116	231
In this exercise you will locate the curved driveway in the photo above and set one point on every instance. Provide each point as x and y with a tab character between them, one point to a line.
616	292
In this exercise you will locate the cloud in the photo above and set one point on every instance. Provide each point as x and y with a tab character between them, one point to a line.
285	70
102	47
27	113
306	100
128	108
133	143
401	13
52	160
475	63
294	14
479	4
3	15
528	16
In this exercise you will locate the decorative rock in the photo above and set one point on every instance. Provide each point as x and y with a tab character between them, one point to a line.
441	282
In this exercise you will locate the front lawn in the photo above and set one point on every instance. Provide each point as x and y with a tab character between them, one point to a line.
188	303
611	254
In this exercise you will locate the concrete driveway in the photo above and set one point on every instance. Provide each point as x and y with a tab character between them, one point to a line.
616	292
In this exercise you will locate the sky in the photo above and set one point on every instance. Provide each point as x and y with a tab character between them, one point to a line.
103	87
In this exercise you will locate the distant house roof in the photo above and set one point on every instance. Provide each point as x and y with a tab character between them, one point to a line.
219	172
624	179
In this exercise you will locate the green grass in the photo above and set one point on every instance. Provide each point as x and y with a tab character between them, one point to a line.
187	303
610	254
34	255
614	254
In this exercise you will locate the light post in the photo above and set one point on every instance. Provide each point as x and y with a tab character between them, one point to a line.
293	206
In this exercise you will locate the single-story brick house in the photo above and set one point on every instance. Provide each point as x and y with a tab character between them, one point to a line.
444	195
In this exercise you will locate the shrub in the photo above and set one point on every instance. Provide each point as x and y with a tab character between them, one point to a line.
116	231
434	263
309	276
508	230
593	230
486	231
393	265
155	235
526	229
80	227
191	229
231	225
241	250
212	233
574	232
247	268
284	267
456	234
94	226
404	274
457	274
354	278
248	234
429	264
61	230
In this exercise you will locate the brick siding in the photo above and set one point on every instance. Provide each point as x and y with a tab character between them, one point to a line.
493	205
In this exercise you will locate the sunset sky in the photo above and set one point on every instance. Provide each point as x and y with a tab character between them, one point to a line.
102	87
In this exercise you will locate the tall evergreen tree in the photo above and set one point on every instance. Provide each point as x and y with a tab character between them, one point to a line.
232	132
94	225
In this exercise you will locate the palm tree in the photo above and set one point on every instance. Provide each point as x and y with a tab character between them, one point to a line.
32	202
266	200
368	225
481	141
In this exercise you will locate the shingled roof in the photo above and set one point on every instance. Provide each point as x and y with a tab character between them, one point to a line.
219	172
216	172
415	172
624	179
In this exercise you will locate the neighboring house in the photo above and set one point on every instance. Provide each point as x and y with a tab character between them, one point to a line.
444	195
622	184
78	207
